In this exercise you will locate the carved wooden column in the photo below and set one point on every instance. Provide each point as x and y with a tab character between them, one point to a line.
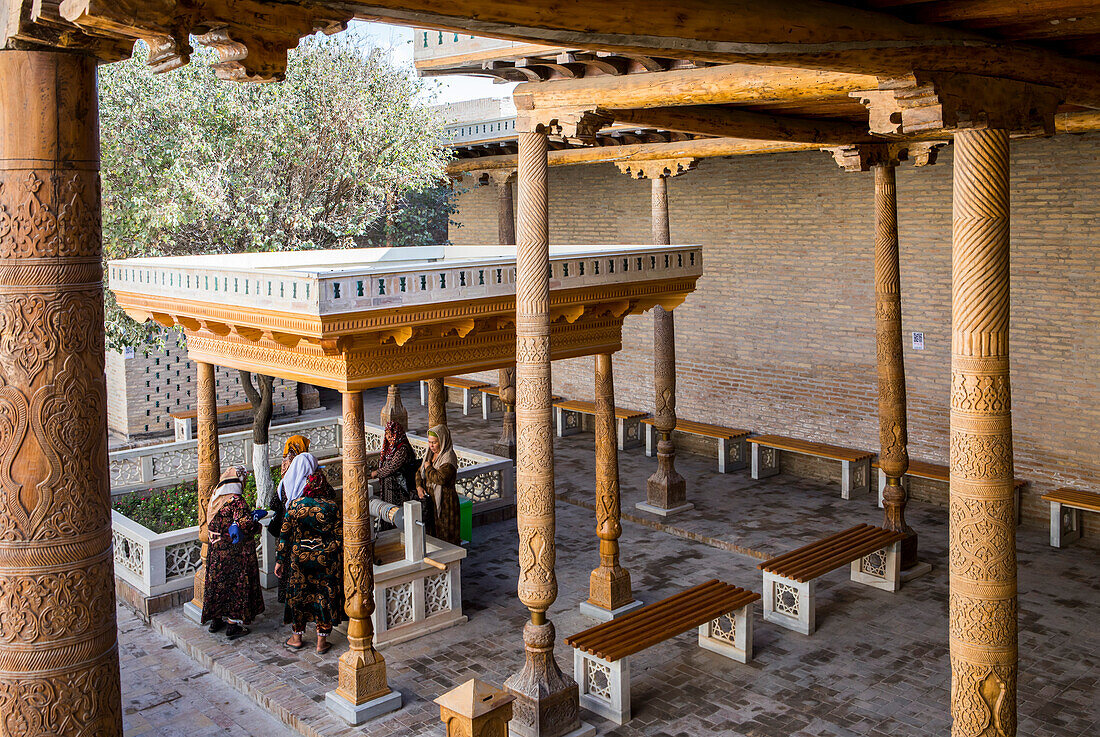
58	653
506	216
394	410
982	603
609	593
363	691
547	700
506	445
437	403
206	405
666	490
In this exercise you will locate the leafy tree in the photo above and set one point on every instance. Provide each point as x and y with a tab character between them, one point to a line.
193	165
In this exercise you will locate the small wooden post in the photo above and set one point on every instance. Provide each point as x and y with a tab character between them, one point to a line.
476	709
394	410
506	445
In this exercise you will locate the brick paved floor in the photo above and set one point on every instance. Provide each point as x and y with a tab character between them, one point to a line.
877	665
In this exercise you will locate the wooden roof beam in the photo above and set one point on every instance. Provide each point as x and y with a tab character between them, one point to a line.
714	120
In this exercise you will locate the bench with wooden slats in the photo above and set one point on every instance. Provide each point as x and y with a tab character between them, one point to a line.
721	613
935	472
855	477
570	414
872	552
469	391
181	421
1066	506
732	449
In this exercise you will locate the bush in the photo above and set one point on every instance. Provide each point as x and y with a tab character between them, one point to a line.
175	508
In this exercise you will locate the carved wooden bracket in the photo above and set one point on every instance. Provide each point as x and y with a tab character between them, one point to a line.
577	125
930	101
485	177
656	169
862	156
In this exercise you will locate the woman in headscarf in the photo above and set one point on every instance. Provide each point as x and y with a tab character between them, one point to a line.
310	561
294	445
436	479
232	593
395	465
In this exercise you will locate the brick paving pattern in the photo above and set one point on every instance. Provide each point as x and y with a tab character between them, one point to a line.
877	665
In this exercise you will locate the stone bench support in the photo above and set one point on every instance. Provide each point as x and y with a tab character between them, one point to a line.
628	430
855	476
733	454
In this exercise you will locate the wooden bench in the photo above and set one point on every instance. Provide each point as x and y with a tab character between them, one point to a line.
570	414
934	472
491	406
469	389
732	449
1066	506
181	421
855	477
721	612
874	555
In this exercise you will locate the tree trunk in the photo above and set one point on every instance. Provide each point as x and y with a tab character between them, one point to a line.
262	409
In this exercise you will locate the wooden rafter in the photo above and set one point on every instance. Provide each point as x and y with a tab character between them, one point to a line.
716	120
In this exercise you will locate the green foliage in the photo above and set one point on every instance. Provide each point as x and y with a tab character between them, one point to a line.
175	508
192	164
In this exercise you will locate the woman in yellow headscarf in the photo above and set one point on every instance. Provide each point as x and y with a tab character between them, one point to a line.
436	478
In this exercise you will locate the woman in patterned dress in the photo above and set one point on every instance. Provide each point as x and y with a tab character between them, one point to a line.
435	484
232	593
310	561
394	465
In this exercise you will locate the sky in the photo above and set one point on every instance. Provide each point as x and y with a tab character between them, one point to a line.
398	39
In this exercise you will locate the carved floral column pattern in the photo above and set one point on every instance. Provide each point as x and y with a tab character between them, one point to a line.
546	699
362	669
209	461
893	436
982	557
437	403
609	584
506	445
59	671
394	409
665	489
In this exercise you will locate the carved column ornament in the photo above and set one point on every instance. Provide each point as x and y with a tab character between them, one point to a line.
209	461
609	584
437	403
982	551
656	169
394	409
362	669
547	700
59	671
506	236
578	126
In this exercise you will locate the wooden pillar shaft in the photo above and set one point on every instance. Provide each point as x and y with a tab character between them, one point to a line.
206	420
437	403
59	672
609	584
362	669
546	699
893	435
506	445
506	216
982	554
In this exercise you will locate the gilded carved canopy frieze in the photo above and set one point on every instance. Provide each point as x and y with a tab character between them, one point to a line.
355	319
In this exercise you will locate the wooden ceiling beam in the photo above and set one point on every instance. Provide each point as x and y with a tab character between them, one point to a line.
714	120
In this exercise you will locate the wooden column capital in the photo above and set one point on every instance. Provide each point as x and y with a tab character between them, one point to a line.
658	169
575	125
865	156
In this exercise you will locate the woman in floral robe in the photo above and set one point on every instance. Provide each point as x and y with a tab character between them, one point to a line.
232	592
435	484
395	469
310	561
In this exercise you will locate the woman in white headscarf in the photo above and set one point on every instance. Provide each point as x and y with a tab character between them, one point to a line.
232	592
436	479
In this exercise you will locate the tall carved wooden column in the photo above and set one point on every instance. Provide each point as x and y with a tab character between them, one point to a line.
609	592
506	216
209	468
58	651
506	444
982	603
547	700
666	490
394	410
363	691
437	403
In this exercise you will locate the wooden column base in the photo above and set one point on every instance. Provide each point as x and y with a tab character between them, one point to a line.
547	701
666	489
506	444
362	676
609	588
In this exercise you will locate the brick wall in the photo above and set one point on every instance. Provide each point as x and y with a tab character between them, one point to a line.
779	337
142	391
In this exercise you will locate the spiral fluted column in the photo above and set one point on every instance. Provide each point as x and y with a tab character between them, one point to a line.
893	435
546	699
982	552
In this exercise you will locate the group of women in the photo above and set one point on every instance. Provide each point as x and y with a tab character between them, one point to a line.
306	519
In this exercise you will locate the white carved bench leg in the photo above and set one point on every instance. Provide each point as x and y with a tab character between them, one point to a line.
569	422
604	685
765	461
733	454
183	429
423	393
630	432
1065	524
789	603
729	635
855	478
650	445
723	454
486	406
880	569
